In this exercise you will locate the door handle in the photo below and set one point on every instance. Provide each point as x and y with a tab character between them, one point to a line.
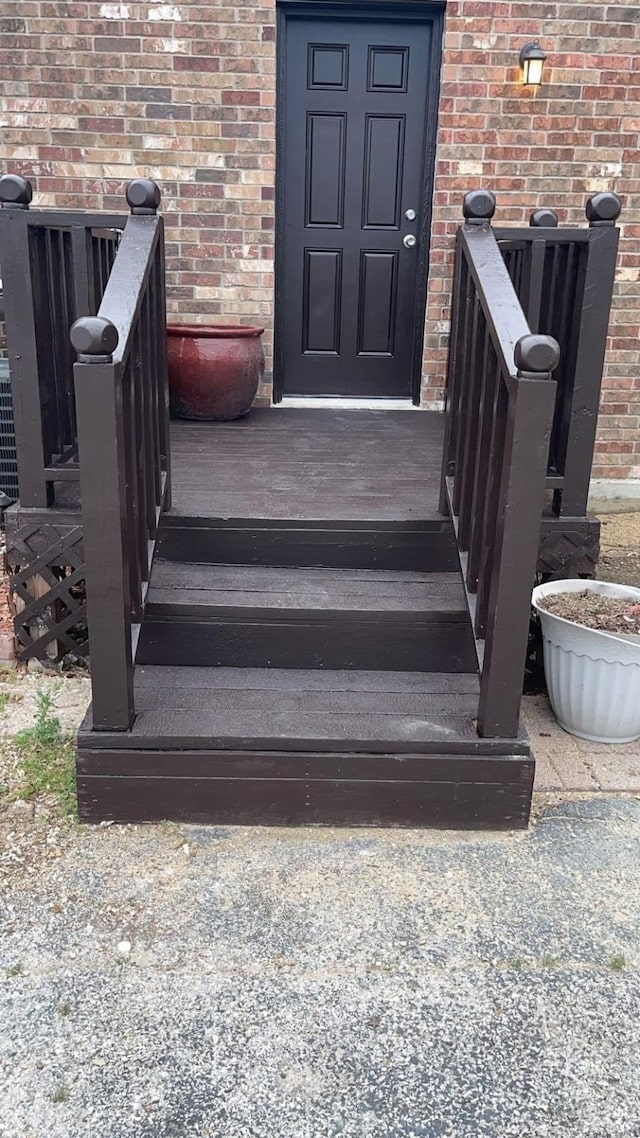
409	241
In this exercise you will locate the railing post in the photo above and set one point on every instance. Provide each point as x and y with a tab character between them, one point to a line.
544	219
478	208
515	550
602	212
98	385
22	342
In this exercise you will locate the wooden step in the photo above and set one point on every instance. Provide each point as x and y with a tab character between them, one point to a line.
427	546
304	709
270	746
258	616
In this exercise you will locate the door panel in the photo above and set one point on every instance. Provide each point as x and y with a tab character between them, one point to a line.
325	173
322	296
377	303
355	111
382	171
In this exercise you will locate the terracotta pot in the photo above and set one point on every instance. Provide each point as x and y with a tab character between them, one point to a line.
214	370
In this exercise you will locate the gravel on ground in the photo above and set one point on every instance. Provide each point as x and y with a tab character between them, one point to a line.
265	983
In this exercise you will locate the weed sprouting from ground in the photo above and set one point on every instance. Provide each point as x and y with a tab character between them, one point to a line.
46	758
61	1094
617	963
549	961
15	969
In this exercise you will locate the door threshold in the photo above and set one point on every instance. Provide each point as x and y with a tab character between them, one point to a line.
344	404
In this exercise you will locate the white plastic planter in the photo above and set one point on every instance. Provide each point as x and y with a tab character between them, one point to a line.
593	677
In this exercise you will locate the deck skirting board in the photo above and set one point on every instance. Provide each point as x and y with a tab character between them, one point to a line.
445	791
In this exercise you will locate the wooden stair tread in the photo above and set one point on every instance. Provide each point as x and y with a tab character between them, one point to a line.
246	709
279	680
183	586
286	692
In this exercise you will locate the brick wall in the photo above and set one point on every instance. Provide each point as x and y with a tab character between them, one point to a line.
94	93
555	146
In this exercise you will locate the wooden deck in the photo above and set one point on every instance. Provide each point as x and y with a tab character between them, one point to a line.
297	465
300	544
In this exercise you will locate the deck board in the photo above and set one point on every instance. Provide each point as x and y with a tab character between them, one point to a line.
312	465
256	709
264	587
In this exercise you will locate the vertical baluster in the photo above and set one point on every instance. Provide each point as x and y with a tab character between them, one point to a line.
61	331
148	417
476	373
490	510
18	252
131	467
67	319
105	266
81	270
518	269
163	372
462	410
96	284
44	337
491	379
454	371
138	441
151	353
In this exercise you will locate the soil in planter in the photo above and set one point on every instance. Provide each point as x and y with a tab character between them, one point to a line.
593	610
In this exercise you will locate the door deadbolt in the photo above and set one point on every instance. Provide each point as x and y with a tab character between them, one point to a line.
410	214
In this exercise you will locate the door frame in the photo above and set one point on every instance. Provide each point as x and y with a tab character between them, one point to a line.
417	11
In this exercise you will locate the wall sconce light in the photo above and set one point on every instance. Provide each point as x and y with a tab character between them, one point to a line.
532	60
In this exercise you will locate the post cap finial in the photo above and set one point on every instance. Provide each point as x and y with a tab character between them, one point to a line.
143	196
478	206
95	339
534	353
603	209
544	219
15	192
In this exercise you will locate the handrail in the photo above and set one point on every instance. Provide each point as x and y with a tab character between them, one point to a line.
123	437
502	308
55	265
500	400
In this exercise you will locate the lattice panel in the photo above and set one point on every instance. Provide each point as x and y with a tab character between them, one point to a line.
569	552
47	570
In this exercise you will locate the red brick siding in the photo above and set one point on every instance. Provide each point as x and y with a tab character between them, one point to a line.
97	92
553	146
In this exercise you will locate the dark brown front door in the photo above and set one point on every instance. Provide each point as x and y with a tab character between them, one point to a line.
358	101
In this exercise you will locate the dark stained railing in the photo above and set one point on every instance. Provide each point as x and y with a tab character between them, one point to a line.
123	437
55	266
564	278
500	401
